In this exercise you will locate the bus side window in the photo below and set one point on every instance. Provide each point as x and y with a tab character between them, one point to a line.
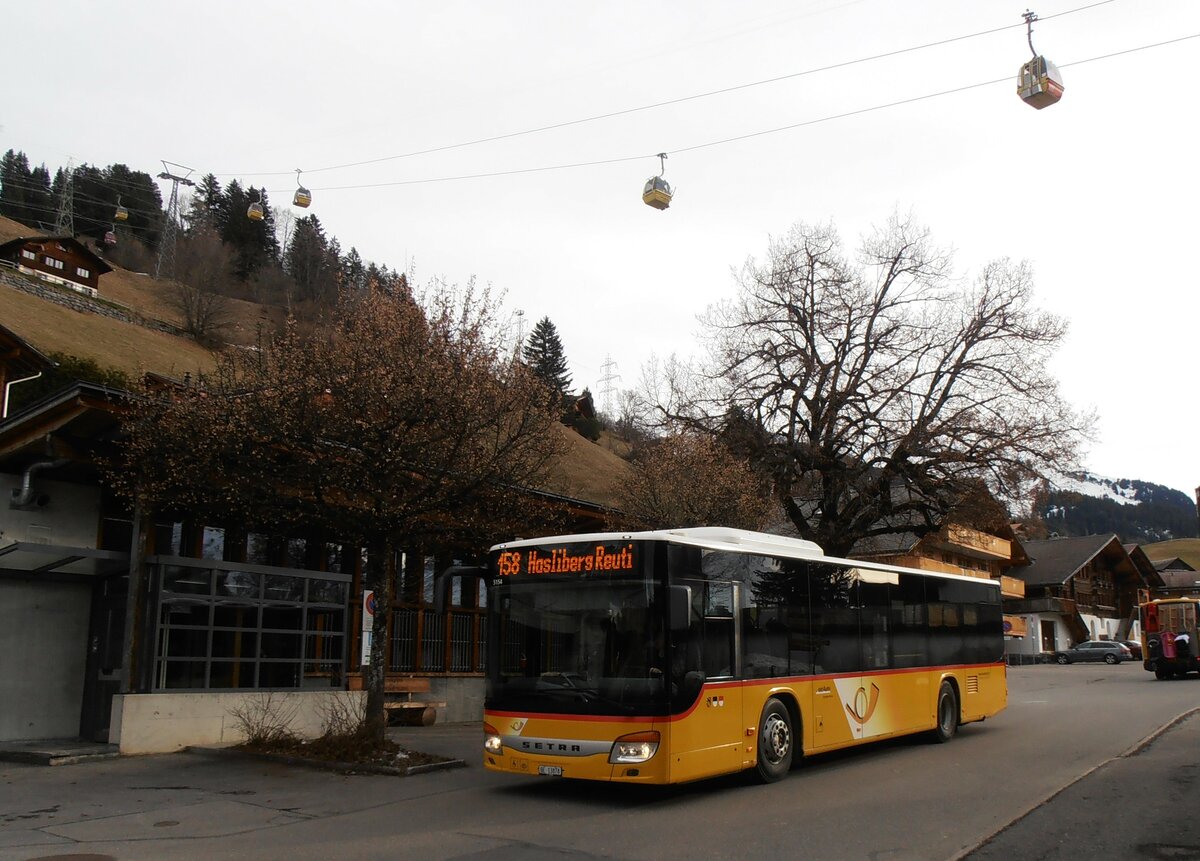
910	645
874	625
717	650
834	593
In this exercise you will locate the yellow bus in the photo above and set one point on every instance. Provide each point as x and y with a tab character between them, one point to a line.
675	655
1169	629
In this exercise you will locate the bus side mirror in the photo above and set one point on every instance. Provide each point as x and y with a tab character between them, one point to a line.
679	599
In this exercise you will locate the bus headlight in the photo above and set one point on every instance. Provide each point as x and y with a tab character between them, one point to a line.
491	740
635	747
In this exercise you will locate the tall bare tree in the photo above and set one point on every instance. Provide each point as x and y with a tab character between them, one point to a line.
876	391
204	277
396	423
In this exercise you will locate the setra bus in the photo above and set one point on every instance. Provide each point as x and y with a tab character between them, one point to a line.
1169	630
669	656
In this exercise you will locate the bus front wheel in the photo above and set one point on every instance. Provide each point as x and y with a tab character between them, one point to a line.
776	742
947	714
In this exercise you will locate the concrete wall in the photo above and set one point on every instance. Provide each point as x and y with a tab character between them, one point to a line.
167	722
70	519
43	651
463	698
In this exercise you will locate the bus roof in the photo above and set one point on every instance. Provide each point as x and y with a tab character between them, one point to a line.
737	540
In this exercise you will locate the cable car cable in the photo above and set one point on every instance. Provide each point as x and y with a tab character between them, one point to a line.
709	144
666	103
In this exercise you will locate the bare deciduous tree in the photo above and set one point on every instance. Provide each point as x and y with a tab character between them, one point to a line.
204	273
876	392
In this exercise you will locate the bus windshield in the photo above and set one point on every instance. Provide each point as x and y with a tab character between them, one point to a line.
576	645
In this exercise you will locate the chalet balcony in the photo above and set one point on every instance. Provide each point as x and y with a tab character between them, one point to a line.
1042	605
972	542
1011	587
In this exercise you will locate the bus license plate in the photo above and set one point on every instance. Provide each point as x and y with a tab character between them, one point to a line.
552	770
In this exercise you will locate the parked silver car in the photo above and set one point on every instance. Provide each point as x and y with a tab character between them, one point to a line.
1109	651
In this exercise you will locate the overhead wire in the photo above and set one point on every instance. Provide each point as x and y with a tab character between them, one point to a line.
735	138
667	102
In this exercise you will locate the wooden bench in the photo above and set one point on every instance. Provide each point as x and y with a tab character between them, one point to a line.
401	704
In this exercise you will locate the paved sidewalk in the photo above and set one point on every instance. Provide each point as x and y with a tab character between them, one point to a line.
1144	805
87	808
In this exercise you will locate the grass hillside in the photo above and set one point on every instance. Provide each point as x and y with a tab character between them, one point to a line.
1187	549
140	292
112	343
586	471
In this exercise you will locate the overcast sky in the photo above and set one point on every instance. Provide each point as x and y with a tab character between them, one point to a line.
1098	192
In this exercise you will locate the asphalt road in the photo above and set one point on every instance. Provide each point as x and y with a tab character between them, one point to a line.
1088	761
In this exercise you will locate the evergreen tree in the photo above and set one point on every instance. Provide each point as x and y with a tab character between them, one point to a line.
39	204
312	261
14	185
208	203
354	271
139	194
543	352
253	242
93	202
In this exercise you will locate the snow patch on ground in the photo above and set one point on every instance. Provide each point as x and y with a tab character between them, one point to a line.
1088	484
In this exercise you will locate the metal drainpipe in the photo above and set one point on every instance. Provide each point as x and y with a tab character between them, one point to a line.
24	496
8	392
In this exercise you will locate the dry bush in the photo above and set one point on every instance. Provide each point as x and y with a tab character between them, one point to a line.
266	719
343	717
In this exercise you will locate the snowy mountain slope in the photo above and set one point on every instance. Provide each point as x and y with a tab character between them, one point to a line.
1138	511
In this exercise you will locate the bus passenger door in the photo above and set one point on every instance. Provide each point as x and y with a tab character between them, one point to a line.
837	659
708	739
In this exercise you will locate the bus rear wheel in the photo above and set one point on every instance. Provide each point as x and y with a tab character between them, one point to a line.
1161	674
776	743
947	714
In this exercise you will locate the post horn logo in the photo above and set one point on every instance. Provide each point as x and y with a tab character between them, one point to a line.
864	706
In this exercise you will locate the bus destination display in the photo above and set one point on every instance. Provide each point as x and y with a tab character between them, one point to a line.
573	559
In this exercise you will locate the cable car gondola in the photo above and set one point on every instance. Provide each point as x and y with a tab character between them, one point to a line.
657	192
302	197
122	214
110	237
255	211
1039	82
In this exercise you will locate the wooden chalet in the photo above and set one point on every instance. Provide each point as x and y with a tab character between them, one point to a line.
1178	579
1077	589
59	259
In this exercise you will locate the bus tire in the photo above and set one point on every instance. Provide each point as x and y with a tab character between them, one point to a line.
776	743
947	714
1161	674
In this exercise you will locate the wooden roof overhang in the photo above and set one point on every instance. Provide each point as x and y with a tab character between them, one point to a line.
19	358
73	424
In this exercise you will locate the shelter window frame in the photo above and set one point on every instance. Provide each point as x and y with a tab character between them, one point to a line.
239	626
